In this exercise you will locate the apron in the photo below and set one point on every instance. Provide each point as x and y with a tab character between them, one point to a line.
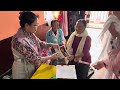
21	68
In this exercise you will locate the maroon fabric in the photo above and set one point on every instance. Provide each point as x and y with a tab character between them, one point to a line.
6	56
86	49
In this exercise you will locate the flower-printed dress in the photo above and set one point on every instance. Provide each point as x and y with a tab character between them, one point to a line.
26	48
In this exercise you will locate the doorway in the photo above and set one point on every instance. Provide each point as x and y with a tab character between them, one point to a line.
97	18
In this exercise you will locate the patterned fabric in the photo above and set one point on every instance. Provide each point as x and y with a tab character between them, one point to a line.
29	46
27	51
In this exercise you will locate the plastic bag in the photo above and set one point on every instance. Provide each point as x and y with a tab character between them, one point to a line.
45	71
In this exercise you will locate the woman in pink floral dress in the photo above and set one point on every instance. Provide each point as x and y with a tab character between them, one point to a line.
26	47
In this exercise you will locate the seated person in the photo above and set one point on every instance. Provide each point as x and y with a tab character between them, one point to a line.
55	35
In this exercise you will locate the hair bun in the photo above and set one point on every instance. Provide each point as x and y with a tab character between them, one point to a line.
21	13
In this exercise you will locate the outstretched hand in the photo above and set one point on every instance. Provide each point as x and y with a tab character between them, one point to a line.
55	56
55	46
98	65
70	57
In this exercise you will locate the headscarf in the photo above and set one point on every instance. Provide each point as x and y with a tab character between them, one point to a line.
106	36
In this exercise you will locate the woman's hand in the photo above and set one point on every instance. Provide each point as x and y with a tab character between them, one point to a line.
98	65
78	57
55	56
71	57
51	57
63	43
55	46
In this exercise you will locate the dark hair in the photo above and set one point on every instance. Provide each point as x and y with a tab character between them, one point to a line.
46	24
54	21
27	17
83	22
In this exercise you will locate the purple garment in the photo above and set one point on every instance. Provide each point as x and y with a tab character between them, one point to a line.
86	49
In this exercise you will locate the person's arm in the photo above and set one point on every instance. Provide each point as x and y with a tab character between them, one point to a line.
63	38
86	49
47	37
98	65
29	53
32	56
47	45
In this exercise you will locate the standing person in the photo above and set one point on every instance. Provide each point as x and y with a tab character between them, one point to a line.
26	47
55	35
78	45
109	57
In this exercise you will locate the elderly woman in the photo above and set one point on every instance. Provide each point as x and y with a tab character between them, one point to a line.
109	57
26	47
78	45
55	35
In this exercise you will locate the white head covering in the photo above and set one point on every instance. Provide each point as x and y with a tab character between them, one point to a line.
106	36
